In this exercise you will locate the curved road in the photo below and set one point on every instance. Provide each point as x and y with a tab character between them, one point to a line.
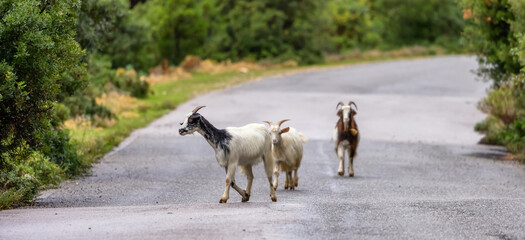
419	172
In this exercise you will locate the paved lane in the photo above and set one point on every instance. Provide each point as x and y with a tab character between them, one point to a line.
419	172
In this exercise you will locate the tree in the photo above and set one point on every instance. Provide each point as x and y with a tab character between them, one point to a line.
179	27
352	24
489	33
108	27
37	51
419	21
267	30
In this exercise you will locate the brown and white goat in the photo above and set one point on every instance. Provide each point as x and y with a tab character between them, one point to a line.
346	136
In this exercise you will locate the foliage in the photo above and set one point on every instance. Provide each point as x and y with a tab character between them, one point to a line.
236	29
108	27
107	30
420	22
352	24
179	27
496	34
269	29
489	33
40	63
37	47
22	173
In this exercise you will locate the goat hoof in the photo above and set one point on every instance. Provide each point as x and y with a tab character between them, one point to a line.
296	184
246	197
274	198
341	173
222	200
351	174
286	187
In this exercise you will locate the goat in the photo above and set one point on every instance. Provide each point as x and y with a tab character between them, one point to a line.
346	136
287	152
235	146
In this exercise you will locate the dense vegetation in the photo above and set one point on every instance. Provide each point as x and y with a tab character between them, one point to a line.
60	60
496	32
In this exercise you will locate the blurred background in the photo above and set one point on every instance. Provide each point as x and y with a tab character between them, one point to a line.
78	76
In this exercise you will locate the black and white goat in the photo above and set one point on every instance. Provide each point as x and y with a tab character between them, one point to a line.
235	146
346	136
287	153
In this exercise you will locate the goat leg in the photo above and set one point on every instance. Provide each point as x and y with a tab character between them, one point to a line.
290	180
230	178
351	154
276	176
341	155
296	178
249	178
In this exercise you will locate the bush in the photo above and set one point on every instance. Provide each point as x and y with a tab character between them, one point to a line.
102	79
490	34
418	22
495	32
501	104
22	174
352	24
31	73
178	27
40	62
109	27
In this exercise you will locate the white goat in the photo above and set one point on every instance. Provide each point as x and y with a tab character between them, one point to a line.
235	146
287	152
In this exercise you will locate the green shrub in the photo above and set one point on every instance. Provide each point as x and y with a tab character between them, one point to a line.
352	24
109	27
133	85
23	173
40	63
495	32
514	136
489	33
501	104
58	149
36	49
418	22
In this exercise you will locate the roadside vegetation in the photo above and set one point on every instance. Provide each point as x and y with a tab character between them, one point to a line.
76	77
496	32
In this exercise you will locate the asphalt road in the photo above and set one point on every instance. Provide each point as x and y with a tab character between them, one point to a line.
419	171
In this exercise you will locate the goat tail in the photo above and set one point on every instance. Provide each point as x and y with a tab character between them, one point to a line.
304	139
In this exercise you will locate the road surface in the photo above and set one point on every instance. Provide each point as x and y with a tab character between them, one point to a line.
419	172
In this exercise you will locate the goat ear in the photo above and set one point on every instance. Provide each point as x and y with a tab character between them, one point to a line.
285	130
340	113
193	117
354	113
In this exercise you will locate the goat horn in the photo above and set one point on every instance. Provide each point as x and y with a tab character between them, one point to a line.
269	123
339	104
352	102
281	122
197	109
